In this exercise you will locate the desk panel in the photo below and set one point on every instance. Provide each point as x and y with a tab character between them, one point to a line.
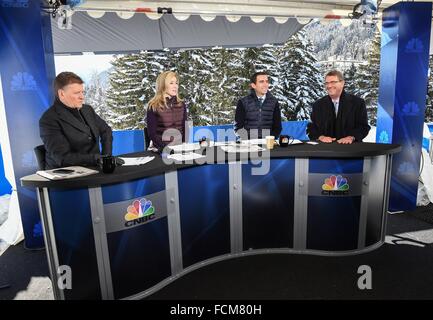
267	205
74	237
204	212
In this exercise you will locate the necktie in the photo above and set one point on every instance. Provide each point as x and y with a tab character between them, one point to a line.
261	101
336	107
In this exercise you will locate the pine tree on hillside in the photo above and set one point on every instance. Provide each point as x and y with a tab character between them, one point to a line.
96	96
151	64
367	83
228	84
262	59
302	82
249	58
333	39
267	61
124	96
196	73
283	90
132	85
350	79
429	102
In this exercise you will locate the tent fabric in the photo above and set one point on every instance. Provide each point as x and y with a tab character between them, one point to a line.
110	33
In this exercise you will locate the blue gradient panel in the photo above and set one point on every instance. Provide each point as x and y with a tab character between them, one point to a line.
26	71
72	222
403	88
388	71
134	189
295	129
336	166
333	223
5	186
127	141
204	212
267	206
139	257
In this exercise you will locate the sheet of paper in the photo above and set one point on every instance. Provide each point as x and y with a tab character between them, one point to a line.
185	147
136	161
296	141
185	156
224	143
253	141
242	148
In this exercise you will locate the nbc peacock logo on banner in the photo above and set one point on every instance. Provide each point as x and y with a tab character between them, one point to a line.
139	212
335	185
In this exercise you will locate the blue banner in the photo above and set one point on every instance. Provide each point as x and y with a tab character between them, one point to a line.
27	71
402	94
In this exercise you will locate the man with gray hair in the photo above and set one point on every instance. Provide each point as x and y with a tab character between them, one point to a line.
339	116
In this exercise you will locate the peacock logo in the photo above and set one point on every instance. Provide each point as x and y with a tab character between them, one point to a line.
335	185
140	211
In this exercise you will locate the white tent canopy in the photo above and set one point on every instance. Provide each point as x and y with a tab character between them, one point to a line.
274	8
102	26
111	33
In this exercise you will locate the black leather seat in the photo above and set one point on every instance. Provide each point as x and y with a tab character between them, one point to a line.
40	156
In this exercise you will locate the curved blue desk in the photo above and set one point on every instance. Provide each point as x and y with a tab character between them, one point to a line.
127	234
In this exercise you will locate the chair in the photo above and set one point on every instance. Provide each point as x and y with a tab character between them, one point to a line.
146	139
40	156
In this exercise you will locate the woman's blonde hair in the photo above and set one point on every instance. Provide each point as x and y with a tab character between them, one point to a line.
158	102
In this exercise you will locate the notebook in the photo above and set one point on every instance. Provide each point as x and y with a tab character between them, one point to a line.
66	173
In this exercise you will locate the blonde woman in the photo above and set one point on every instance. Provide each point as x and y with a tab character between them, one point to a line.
166	111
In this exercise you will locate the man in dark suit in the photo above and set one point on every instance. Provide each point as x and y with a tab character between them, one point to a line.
339	116
71	131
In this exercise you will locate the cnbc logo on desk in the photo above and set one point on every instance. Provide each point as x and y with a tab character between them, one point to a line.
138	212
335	185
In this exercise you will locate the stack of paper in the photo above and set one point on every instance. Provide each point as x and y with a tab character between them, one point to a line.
253	141
185	156
224	143
185	147
242	148
66	173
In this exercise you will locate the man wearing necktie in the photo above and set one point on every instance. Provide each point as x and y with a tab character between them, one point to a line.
71	131
339	116
258	114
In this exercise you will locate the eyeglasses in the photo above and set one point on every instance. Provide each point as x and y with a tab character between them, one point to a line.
332	82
